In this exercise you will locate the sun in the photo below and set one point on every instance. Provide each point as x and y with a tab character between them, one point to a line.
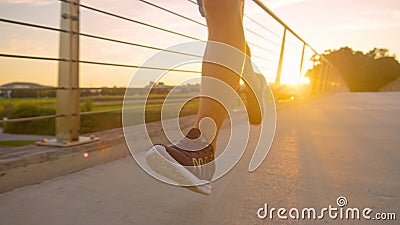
291	69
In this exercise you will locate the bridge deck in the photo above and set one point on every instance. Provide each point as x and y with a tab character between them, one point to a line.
340	145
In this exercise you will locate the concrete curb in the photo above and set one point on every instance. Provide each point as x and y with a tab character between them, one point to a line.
33	164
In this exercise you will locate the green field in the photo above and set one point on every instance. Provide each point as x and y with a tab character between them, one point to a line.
30	107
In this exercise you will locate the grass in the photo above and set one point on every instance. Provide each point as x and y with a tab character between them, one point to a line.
99	102
15	143
27	107
119	106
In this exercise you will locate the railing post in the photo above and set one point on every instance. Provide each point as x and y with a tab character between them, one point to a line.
302	60
320	77
67	102
329	79
279	71
324	77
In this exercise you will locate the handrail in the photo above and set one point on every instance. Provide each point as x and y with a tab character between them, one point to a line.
273	15
98	63
140	45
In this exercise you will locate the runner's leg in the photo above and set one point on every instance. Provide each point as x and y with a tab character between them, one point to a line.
224	22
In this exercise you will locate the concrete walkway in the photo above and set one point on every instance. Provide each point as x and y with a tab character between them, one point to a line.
15	137
340	145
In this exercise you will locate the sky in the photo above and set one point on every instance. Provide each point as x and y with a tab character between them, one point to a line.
324	24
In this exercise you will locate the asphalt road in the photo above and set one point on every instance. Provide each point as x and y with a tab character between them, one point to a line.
339	145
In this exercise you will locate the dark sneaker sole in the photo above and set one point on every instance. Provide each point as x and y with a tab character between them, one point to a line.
164	164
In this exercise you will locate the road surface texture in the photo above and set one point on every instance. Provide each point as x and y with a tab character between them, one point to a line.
15	137
339	145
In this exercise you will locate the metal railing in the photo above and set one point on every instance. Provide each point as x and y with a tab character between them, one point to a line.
325	76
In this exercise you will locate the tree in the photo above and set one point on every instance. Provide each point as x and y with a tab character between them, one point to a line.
365	72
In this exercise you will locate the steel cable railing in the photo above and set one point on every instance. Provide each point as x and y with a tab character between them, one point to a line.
93	36
262	26
174	13
247	29
251	19
123	42
89	62
326	65
134	21
27	119
97	63
86	62
204	25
